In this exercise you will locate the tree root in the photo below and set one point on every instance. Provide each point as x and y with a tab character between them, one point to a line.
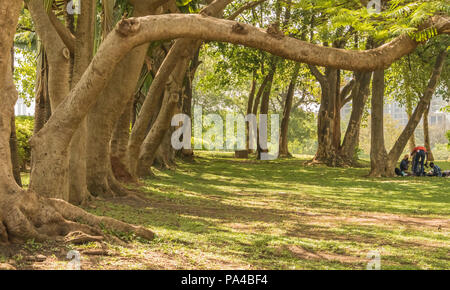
330	159
26	215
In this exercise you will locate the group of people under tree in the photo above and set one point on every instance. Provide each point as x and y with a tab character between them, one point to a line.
419	157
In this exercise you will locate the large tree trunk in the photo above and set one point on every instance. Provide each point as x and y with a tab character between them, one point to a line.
83	54
426	133
108	111
51	171
186	105
42	100
326	150
359	96
165	155
378	154
14	152
159	128
284	151
119	143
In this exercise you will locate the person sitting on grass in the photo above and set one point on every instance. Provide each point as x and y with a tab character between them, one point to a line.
404	165
436	170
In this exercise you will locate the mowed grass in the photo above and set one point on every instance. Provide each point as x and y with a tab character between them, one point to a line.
224	213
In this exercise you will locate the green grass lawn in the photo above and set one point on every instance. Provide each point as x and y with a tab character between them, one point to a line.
223	213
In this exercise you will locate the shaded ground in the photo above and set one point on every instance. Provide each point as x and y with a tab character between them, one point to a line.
223	213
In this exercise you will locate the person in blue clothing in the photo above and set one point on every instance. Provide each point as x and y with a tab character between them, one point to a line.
404	165
420	158
436	170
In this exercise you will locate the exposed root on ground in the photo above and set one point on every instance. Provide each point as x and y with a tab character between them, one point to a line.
26	215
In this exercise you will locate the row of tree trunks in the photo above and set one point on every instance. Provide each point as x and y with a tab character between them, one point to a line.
284	150
180	82
51	169
383	163
142	148
172	95
29	215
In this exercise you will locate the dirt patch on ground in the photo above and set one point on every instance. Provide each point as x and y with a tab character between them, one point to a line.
381	219
305	254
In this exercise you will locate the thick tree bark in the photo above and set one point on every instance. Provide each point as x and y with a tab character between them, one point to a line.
162	124
426	133
14	152
165	155
378	154
119	143
108	110
326	150
83	54
284	151
359	96
51	173
42	100
186	108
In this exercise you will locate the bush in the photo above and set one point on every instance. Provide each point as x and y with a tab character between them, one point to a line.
24	131
440	152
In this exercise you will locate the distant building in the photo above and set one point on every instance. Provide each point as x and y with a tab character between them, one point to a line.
398	113
435	116
21	109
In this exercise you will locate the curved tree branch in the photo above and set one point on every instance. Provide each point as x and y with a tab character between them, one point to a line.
135	31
